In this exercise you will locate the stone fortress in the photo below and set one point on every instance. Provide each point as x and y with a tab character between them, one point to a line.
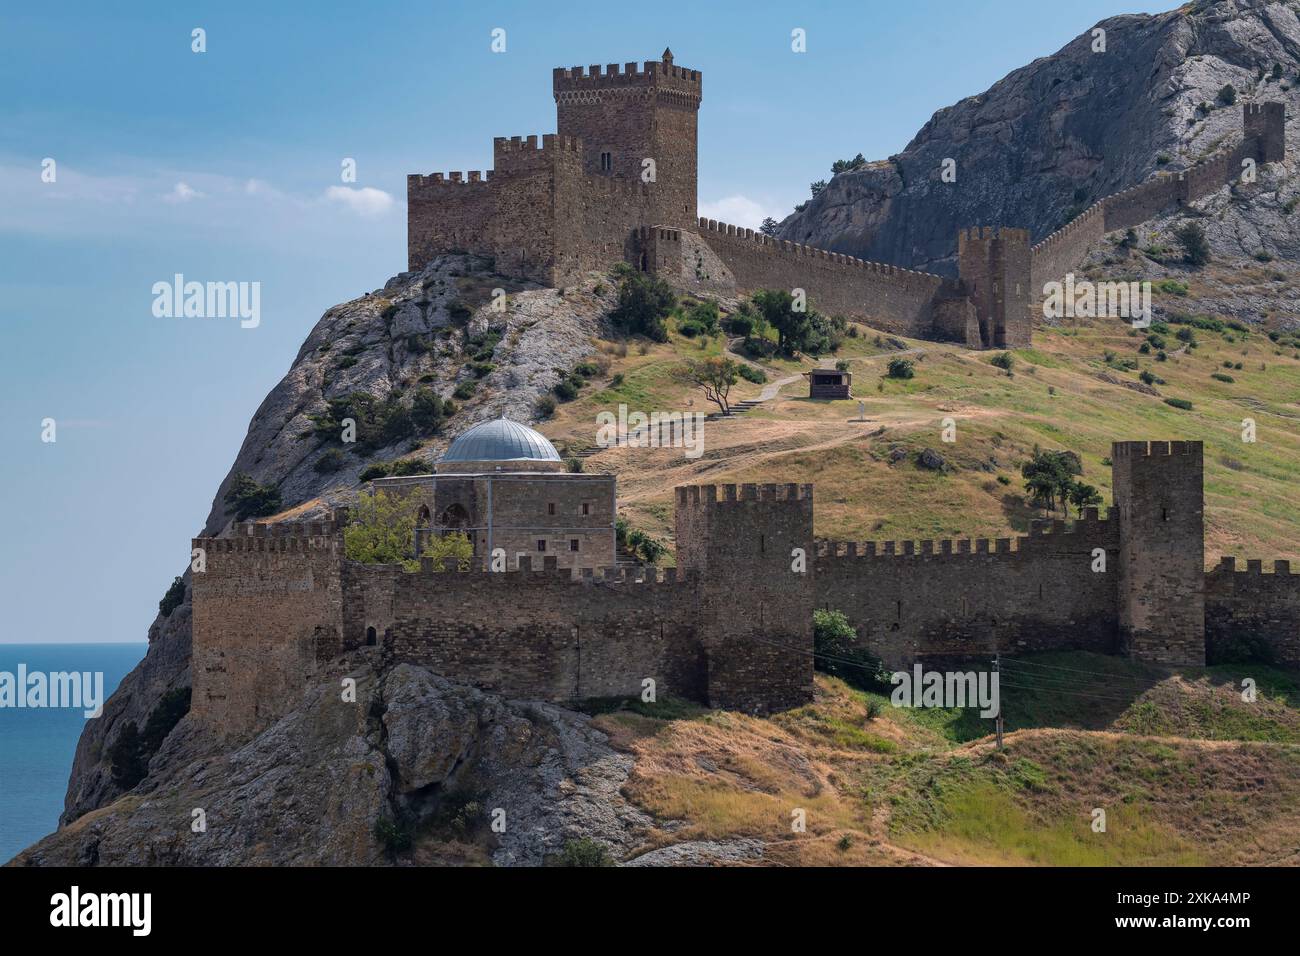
279	604
617	183
731	624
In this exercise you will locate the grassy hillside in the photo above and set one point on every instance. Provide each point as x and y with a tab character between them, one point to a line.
1076	389
883	785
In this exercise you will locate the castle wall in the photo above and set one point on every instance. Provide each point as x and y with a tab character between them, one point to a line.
963	599
269	601
896	300
1263	139
545	635
1253	612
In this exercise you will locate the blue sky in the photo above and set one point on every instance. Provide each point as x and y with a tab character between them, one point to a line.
225	166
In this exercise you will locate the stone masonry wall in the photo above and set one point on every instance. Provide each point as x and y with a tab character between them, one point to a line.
269	602
544	634
1252	611
893	299
964	599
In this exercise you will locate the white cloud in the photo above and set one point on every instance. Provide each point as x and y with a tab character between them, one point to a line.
740	211
366	201
183	192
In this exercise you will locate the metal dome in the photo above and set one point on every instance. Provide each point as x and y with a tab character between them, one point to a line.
500	439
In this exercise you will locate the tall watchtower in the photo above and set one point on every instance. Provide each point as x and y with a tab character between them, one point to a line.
994	264
751	550
627	116
1266	124
1158	491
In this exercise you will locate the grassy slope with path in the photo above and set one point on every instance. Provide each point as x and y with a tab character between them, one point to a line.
1054	398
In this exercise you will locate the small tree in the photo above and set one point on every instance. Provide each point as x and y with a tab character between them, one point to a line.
715	376
1083	495
1228	94
247	499
381	530
835	653
453	544
1196	250
901	368
769	226
643	304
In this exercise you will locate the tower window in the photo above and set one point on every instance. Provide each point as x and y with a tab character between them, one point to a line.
541	544
586	508
606	162
550	507
573	544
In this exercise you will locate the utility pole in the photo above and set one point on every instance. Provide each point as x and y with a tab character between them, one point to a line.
997	669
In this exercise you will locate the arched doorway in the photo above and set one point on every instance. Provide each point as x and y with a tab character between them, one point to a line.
371	638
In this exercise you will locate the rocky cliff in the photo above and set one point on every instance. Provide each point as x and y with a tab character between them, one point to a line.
434	329
414	764
1055	136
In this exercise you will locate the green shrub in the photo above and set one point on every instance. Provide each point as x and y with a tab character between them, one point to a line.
573	465
173	599
585	852
1196	250
546	406
465	389
901	368
427	411
751	374
378	470
1004	360
247	499
643	304
1228	94
1182	403
566	390
1221	377
835	653
405	467
394	836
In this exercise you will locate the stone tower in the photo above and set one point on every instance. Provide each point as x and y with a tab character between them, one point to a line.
1266	124
755	603
1161	558
994	265
625	117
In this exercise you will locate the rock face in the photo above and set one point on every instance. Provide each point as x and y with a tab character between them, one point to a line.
1068	129
408	335
319	785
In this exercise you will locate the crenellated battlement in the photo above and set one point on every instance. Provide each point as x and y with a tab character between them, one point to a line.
706	496
415	181
712	227
1155	449
1228	564
275	536
528	573
1090	528
986	233
614	76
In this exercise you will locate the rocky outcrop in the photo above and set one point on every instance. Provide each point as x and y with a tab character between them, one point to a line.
1066	130
410	334
337	780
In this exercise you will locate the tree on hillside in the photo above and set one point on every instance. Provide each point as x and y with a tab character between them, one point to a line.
247	499
769	226
776	306
715	376
844	165
1049	477
643	304
1196	251
1082	496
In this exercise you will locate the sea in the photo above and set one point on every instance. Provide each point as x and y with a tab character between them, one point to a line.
37	744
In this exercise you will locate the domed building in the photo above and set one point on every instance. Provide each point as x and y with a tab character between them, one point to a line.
504	484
